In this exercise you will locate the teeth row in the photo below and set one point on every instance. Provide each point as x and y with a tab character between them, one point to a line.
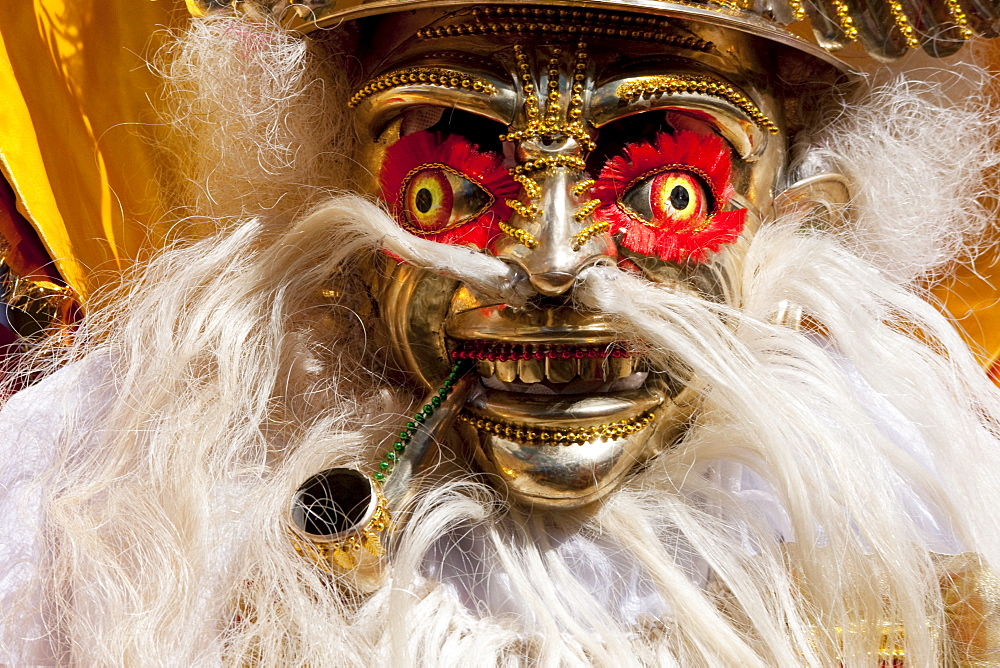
557	370
507	351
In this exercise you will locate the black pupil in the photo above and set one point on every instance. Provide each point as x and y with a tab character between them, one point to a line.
424	200
680	198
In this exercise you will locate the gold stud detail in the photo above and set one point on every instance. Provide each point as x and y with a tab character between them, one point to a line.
525	211
552	436
531	187
551	126
523	237
903	24
584	235
581	187
798	11
844	19
960	19
434	76
525	21
549	162
671	84
587	209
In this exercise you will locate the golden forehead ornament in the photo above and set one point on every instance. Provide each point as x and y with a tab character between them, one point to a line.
886	29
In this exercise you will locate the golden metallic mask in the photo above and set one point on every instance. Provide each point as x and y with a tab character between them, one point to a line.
559	107
885	28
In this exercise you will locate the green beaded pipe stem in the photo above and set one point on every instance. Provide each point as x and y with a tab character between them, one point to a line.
438	411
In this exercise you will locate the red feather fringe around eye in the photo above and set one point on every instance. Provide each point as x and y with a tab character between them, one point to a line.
483	169
703	156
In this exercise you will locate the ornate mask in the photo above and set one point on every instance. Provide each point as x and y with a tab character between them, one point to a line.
557	140
653	137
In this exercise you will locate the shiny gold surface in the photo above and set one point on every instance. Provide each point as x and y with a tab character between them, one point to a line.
354	552
524	21
567	414
670	84
413	311
550	436
547	370
586	233
522	237
903	24
943	22
563	465
35	307
971	593
431	76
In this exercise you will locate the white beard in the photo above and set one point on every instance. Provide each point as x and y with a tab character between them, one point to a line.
817	481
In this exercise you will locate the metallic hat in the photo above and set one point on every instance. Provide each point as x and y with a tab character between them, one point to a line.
886	29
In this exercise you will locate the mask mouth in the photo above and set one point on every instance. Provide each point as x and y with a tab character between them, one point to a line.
557	393
553	368
553	375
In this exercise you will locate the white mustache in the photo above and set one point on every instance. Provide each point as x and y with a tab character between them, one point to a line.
488	276
676	327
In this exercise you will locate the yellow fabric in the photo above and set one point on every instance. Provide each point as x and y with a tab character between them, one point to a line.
971	294
73	143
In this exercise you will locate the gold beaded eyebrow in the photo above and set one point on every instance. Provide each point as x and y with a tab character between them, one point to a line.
430	76
670	84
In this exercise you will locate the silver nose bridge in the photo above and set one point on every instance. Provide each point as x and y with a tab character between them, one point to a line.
557	217
552	230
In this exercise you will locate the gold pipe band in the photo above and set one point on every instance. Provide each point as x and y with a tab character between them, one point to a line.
525	238
552	436
344	554
584	235
695	83
431	76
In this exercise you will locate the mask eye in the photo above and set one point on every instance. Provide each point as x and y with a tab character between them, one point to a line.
446	189
669	198
437	198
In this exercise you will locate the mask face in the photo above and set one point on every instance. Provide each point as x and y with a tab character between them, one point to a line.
633	142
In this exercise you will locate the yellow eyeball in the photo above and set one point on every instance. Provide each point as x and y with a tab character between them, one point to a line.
437	198
429	200
668	198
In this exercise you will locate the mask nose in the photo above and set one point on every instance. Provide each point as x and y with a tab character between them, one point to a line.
554	264
556	251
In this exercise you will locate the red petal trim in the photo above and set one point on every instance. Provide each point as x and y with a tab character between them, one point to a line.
482	168
706	155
